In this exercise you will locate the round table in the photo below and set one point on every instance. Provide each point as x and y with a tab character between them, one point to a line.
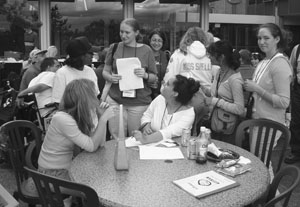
149	182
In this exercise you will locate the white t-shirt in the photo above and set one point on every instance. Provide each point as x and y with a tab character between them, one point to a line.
44	97
65	75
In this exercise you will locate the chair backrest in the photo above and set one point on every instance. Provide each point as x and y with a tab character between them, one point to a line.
266	132
52	189
20	132
290	173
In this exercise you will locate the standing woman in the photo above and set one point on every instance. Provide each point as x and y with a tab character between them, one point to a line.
227	88
157	43
191	61
136	101
272	77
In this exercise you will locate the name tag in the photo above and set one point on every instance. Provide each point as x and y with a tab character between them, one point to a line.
129	93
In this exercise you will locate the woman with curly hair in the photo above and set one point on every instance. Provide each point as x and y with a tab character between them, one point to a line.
170	112
191	61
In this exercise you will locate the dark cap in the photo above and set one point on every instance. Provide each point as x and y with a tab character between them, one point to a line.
79	46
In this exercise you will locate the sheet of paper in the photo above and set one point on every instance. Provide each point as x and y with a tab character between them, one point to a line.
126	68
131	142
166	143
160	153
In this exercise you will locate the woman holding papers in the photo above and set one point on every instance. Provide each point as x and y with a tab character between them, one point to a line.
170	112
78	123
135	100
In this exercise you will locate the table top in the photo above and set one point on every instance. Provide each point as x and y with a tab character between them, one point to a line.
149	182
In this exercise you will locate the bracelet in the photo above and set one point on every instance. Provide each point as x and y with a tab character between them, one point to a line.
148	77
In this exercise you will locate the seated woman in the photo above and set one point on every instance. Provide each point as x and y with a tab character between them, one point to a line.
170	112
79	123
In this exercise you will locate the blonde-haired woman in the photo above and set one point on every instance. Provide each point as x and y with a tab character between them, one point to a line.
135	102
190	60
79	122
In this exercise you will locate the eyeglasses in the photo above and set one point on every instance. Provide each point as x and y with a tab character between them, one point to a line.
157	40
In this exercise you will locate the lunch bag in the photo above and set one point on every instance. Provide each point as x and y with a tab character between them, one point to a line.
223	121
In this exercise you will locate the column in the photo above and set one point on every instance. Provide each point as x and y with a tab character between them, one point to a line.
128	8
204	12
44	14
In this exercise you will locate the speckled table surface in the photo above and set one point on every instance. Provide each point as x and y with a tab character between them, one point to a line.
149	182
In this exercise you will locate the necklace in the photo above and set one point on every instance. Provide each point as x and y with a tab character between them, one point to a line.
129	47
163	117
158	66
220	80
262	68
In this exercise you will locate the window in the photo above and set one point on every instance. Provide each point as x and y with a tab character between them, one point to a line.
98	21
12	27
173	19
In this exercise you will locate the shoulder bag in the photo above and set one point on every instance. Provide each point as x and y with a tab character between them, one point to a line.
222	121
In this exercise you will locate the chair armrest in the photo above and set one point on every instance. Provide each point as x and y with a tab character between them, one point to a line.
28	155
50	105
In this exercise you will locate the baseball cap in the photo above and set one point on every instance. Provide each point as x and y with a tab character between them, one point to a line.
34	53
79	46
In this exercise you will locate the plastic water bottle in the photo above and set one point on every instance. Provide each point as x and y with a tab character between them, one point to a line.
201	145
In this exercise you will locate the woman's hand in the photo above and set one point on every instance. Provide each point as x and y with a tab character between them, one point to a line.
115	78
147	129
104	105
207	100
108	114
140	72
251	86
206	91
138	135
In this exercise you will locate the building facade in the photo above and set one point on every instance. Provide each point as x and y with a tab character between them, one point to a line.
233	20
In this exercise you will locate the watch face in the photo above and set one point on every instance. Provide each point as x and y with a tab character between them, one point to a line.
234	1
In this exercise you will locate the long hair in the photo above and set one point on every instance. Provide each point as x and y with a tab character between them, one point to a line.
276	31
191	35
161	34
224	47
80	101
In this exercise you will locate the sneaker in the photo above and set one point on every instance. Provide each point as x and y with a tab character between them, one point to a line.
291	159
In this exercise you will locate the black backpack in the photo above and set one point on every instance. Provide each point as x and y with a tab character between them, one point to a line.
295	79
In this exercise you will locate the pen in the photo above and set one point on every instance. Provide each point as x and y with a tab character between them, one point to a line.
142	126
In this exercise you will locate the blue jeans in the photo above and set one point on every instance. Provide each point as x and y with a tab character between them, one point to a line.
131	115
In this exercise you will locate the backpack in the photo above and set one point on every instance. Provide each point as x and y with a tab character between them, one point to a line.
295	79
